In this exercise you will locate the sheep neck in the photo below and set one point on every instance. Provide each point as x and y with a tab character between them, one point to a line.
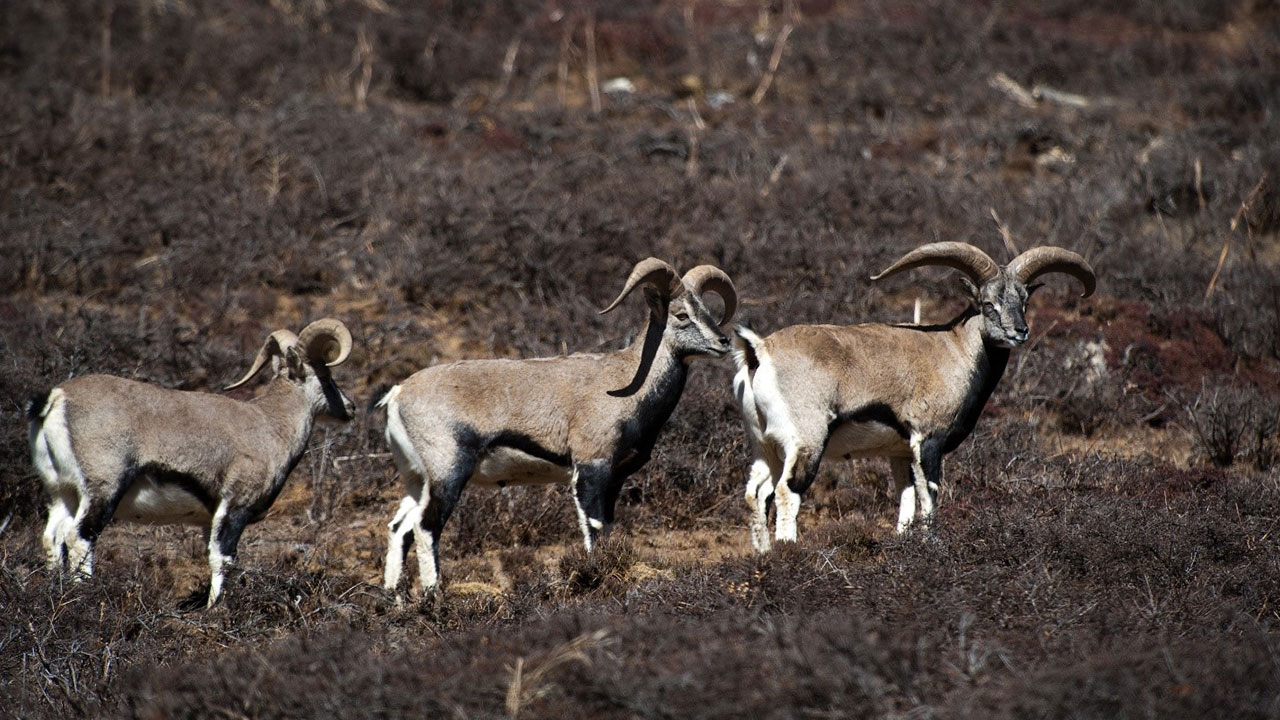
988	362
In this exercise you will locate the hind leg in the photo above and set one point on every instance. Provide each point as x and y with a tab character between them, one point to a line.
81	532
798	471
63	502
399	540
55	532
759	494
440	497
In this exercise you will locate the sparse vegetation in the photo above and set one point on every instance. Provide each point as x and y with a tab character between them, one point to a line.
177	178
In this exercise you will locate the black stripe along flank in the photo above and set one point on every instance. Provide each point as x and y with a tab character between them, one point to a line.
875	412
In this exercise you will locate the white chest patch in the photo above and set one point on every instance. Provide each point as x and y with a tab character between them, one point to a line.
154	503
865	439
508	466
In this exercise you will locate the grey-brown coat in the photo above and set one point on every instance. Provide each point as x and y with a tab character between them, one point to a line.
911	393
589	420
109	447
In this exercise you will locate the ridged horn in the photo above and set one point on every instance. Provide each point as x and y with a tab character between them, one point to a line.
653	271
961	256
326	341
1042	260
277	342
711	278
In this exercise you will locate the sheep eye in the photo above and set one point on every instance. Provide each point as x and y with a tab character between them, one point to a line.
988	307
682	316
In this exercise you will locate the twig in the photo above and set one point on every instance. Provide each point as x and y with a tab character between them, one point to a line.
593	77
105	80
775	175
508	68
694	131
1010	87
361	60
364	456
1042	92
526	687
779	44
562	68
1005	235
1199	186
695	61
1226	243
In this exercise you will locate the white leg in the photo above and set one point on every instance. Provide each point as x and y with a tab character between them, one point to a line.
787	501
924	498
426	549
55	534
401	526
759	489
905	489
218	561
583	523
79	550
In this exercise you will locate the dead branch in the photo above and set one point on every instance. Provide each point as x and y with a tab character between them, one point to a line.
593	75
775	175
527	686
1235	222
105	79
508	69
779	44
695	131
1005	234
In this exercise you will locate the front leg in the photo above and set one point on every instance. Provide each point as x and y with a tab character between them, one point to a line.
926	466
595	491
224	536
904	488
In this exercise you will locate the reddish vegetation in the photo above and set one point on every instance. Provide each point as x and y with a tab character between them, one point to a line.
1107	544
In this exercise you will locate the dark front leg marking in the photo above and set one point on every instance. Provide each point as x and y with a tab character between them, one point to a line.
594	495
928	475
224	536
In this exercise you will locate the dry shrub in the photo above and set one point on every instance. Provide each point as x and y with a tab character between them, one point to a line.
606	568
1231	423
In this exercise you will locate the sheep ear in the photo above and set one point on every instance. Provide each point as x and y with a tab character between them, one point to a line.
1032	288
969	287
296	363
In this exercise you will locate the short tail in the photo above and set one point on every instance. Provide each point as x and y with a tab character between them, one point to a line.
38	406
748	349
382	396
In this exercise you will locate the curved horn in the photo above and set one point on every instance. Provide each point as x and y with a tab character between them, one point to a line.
1038	261
277	342
712	278
962	256
650	270
326	341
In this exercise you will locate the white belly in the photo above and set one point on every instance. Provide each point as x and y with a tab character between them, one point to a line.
865	439
508	466
147	501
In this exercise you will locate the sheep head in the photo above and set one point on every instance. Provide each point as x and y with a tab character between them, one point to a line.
1000	294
